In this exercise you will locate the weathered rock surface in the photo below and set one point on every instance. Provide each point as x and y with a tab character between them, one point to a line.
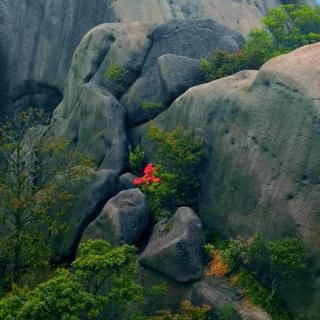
154	71
92	196
216	292
176	247
123	219
252	313
126	181
89	114
39	37
171	67
263	129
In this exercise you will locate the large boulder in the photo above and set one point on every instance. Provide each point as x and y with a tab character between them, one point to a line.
39	37
171	66
262	175
123	219
134	63
176	247
89	114
93	194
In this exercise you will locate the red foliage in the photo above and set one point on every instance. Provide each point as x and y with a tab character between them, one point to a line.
149	176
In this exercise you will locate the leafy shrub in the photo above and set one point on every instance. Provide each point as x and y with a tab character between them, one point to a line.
158	186
228	313
285	28
117	74
38	181
288	258
99	278
178	156
263	270
180	153
150	105
259	295
136	160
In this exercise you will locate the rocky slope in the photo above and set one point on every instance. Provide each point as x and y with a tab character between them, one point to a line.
262	129
264	166
39	37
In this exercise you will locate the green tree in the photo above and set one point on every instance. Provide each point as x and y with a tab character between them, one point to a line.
178	156
99	277
284	29
37	180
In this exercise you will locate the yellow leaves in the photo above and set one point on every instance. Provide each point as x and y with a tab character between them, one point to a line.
189	312
18	203
216	267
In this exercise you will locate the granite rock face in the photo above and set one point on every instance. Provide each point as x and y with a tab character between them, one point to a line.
89	114
263	130
93	194
176	247
172	65
118	66
38	37
123	219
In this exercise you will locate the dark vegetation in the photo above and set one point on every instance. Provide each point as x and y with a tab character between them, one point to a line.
285	29
263	270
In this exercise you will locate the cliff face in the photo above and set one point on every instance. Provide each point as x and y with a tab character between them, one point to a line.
262	173
39	37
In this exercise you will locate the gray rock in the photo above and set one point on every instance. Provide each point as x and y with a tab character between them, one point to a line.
92	196
252	313
39	37
122	220
176	247
215	292
175	48
262	174
178	73
126	181
89	114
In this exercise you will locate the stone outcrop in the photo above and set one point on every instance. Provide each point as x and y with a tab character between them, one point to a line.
123	219
38	37
263	130
176	247
90	114
172	64
93	194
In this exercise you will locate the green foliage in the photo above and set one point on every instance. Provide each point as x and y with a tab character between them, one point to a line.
108	272
117	74
99	277
178	157
285	28
260	295
136	160
151	105
161	198
228	313
37	185
222	64
288	258
263	270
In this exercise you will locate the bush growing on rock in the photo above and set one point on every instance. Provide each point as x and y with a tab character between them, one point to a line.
38	180
262	269
285	28
178	156
116	73
136	161
180	153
